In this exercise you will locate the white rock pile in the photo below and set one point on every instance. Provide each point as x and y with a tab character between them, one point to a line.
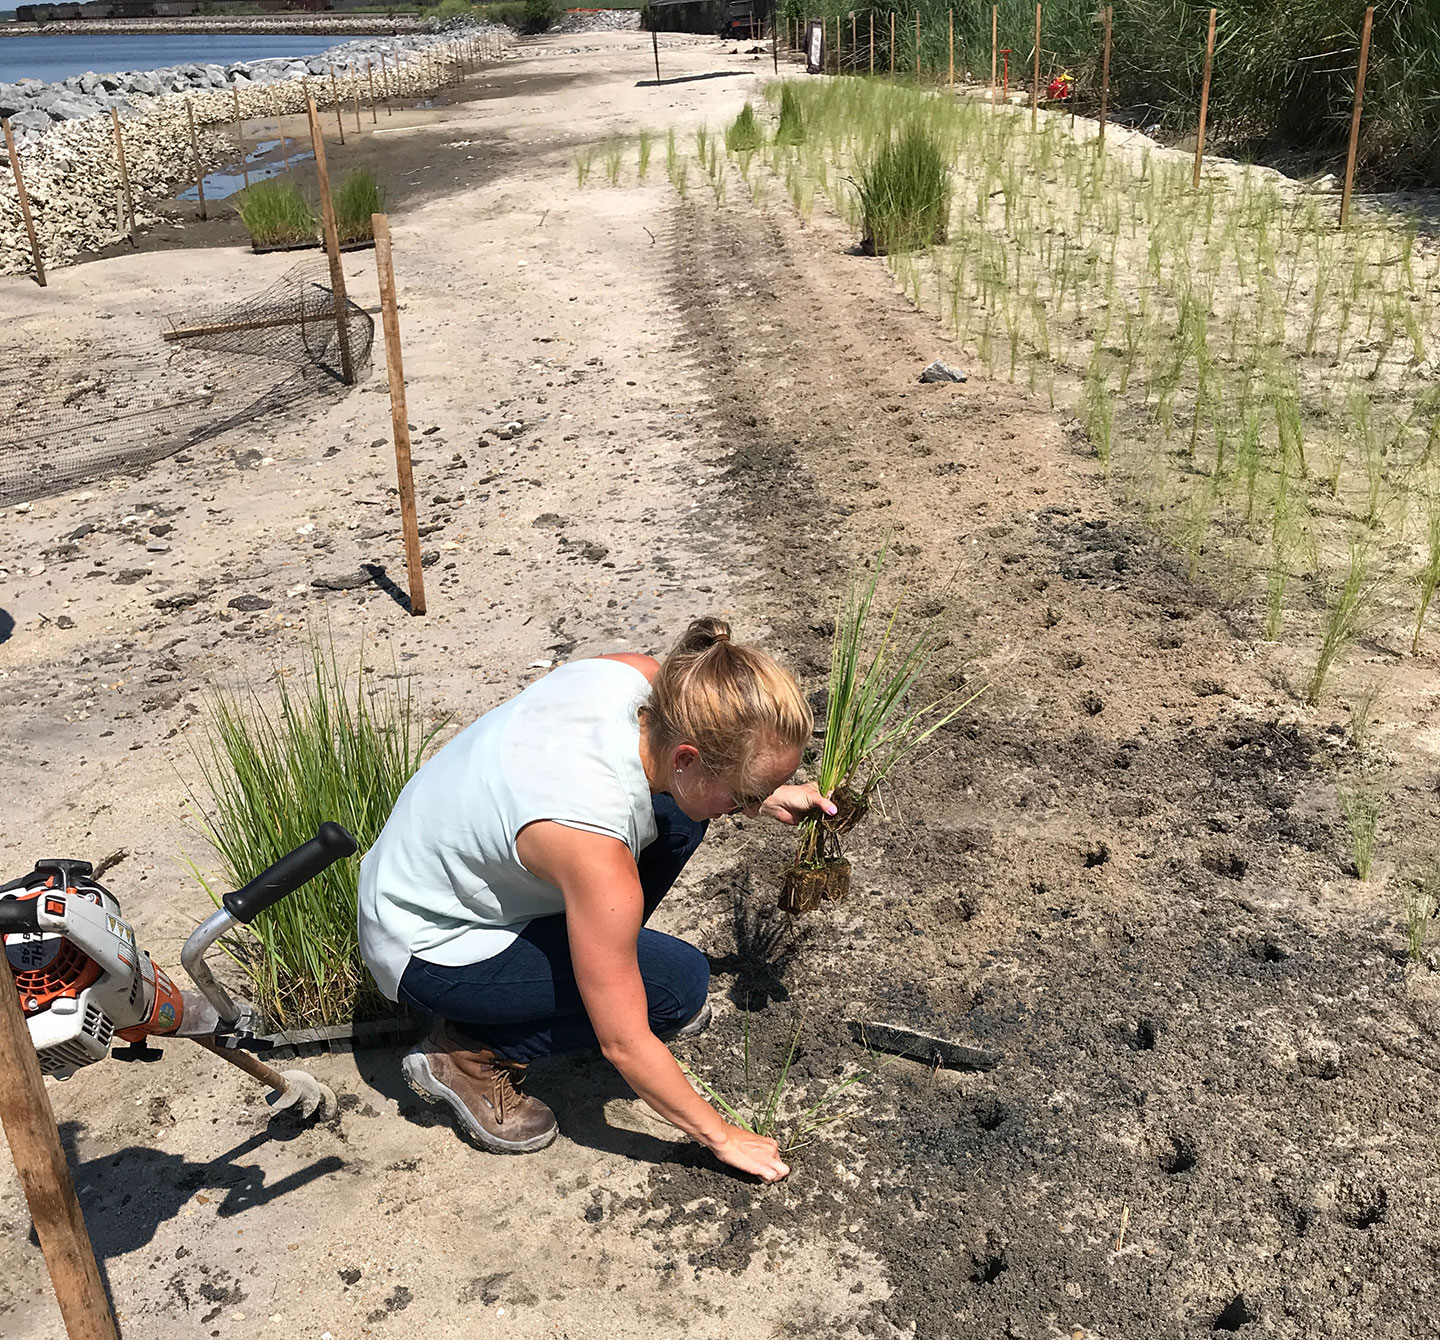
70	165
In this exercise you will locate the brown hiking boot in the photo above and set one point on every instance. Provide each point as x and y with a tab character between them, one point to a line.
485	1091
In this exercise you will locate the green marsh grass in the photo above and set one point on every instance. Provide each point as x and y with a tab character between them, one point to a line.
762	1114
904	193
1422	900
357	198
613	158
276	214
327	744
744	135
1360	804
1204	308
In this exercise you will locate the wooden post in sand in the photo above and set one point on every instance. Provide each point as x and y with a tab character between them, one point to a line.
332	246
655	46
195	150
335	98
45	1177
124	176
1204	101
399	414
385	86
952	51
892	44
240	136
1355	119
1105	75
872	41
24	202
917	46
1035	78
370	77
994	47
355	88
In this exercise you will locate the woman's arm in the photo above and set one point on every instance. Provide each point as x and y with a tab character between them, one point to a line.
604	911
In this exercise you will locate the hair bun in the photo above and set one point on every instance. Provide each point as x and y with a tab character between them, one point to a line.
704	634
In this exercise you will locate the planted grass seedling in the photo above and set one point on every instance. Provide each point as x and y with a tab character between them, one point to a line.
647	146
791	127
613	157
1360	805
276	214
870	727
326	745
762	1116
358	197
1347	609
584	161
744	135
904	194
1422	901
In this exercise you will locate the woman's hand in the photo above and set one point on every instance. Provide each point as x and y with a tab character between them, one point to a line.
758	1155
790	804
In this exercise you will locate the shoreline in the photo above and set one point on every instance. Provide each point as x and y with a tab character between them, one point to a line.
70	165
290	25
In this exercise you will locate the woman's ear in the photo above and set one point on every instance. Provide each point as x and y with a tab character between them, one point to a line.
685	756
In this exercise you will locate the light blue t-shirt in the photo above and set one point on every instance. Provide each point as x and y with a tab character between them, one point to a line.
442	880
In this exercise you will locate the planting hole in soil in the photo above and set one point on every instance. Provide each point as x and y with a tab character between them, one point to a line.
1235	1314
1144	1037
1179	1158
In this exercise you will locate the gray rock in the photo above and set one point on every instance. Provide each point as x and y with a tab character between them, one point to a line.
12	100
144	83
941	371
89	82
73	108
216	76
30	122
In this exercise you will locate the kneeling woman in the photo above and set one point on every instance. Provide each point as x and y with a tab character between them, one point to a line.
509	891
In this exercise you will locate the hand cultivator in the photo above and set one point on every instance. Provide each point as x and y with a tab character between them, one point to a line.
83	982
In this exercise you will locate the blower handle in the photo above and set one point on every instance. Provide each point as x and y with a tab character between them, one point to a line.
295	868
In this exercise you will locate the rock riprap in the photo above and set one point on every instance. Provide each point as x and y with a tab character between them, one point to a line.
66	144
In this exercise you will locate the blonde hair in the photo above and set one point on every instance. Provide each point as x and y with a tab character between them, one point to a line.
730	700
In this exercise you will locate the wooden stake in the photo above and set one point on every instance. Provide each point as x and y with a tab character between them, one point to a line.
774	43
655	44
1204	100
370	77
125	178
385	86
355	88
399	414
45	1177
952	51
1354	119
332	245
240	135
1105	75
917	46
854	41
872	41
195	149
892	44
994	47
335	98
1035	78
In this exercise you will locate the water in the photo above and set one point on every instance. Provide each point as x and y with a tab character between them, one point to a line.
221	185
56	58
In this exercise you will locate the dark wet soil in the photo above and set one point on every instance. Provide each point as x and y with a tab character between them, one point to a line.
1123	870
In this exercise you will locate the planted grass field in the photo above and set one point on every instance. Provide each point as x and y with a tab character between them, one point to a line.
357	198
1260	384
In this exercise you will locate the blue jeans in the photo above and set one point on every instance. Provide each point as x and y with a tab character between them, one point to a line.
523	1003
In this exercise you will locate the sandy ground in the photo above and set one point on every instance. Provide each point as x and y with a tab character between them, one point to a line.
1124	871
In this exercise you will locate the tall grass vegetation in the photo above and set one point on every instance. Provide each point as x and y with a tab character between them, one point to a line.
331	743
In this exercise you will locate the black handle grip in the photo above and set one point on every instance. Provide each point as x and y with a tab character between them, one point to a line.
292	870
18	916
